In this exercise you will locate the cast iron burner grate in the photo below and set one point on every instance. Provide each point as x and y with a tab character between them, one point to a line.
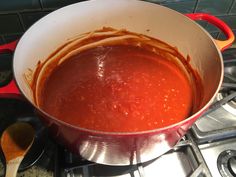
219	122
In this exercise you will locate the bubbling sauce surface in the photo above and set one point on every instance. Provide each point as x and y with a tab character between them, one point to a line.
117	88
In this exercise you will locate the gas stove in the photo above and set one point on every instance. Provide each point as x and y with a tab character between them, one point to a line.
215	132
207	150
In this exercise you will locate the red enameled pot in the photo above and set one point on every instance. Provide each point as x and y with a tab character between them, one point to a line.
53	30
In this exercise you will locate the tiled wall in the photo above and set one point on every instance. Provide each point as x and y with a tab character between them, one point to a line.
17	15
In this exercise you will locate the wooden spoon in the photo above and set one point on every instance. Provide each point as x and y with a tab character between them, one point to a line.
16	140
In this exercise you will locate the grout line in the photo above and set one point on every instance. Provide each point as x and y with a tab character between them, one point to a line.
16	11
46	8
209	24
196	6
21	21
225	15
17	33
218	35
49	9
41	4
27	11
231	6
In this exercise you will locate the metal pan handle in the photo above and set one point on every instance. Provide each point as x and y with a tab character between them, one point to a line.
10	90
218	23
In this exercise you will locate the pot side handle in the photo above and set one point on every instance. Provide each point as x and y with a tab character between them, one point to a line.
10	90
218	23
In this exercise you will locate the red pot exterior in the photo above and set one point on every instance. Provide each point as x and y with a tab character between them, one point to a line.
117	149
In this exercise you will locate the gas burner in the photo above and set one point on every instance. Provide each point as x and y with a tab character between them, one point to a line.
220	123
229	85
16	115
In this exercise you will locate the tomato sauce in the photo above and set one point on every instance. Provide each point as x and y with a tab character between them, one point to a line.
118	88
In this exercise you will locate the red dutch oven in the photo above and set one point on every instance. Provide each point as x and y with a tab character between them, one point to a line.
53	30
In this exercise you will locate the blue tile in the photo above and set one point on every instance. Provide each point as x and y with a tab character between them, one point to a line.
10	24
30	18
233	10
211	28
182	7
15	5
56	3
215	34
215	7
202	23
230	20
223	37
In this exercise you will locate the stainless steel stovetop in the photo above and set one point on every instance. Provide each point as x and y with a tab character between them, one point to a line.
215	133
208	150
